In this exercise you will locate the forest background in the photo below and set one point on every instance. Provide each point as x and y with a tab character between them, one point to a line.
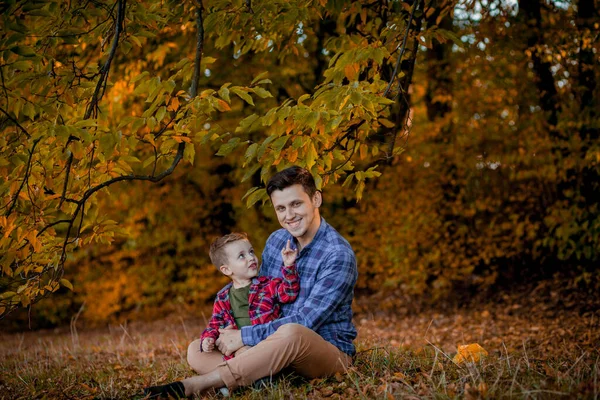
456	143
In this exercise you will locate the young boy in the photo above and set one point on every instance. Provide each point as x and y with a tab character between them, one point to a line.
247	300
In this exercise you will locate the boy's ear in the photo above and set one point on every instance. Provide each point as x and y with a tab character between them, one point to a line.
225	270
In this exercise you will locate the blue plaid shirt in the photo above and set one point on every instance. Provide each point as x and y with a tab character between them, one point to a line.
327	269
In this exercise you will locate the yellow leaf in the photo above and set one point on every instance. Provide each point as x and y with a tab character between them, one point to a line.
66	284
174	104
469	353
222	105
180	138
351	71
293	156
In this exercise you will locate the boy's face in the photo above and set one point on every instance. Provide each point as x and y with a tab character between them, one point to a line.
242	264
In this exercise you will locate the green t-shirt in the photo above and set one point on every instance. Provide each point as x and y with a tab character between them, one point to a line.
238	298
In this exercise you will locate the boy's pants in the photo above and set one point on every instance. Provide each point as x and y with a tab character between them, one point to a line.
291	345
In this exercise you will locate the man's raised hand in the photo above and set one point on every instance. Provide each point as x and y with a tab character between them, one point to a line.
288	254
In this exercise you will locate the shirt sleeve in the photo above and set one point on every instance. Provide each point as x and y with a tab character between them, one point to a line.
333	285
216	322
288	288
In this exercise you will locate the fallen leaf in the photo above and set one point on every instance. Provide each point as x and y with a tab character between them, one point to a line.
326	392
469	353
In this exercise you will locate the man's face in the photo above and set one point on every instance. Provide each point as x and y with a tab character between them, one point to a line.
297	212
241	261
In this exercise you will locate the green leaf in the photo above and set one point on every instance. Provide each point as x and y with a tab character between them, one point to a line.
189	153
302	98
262	93
243	95
160	114
207	61
251	151
250	172
311	156
224	93
451	36
246	123
259	77
22	65
255	196
140	76
279	143
228	147
24	51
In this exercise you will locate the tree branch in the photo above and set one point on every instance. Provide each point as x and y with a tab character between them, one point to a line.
64	192
15	122
97	96
61	221
199	48
25	178
412	13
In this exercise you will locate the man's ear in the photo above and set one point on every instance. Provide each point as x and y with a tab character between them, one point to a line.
225	270
317	199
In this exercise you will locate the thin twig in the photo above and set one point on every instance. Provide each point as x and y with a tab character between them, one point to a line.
412	13
68	172
25	178
249	6
61	221
97	96
15	122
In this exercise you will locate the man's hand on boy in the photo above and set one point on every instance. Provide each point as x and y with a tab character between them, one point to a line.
208	344
229	341
288	254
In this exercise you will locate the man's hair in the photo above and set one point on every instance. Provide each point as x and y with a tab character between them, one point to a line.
292	176
217	248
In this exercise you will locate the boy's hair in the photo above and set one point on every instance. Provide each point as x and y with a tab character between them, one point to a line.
217	247
292	176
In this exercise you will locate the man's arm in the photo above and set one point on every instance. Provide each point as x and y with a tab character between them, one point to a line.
334	283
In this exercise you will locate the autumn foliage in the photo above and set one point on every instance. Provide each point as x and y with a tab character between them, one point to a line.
456	143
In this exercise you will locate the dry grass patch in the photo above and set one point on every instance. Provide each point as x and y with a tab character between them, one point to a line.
408	358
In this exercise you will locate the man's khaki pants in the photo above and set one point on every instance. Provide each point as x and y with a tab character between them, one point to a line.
292	345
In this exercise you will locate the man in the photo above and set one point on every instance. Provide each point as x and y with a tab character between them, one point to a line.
314	336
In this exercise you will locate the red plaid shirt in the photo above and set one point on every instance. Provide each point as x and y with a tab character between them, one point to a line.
264	299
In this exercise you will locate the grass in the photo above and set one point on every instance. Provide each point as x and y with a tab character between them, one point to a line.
117	362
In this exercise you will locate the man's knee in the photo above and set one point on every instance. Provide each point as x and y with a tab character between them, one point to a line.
193	351
293	332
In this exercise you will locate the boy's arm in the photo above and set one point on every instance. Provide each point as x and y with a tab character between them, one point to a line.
333	286
288	288
216	322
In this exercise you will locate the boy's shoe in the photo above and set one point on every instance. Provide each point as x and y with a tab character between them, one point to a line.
174	390
267	381
224	391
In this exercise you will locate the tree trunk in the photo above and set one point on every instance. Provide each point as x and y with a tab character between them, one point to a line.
530	13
